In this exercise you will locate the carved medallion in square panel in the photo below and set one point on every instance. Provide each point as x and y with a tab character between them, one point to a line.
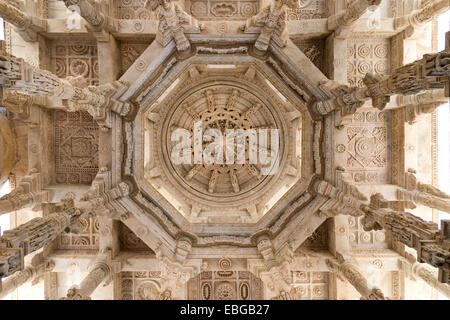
76	147
308	9
140	285
75	59
222	10
367	155
225	285
358	238
129	52
314	49
129	241
310	285
87	239
134	10
367	56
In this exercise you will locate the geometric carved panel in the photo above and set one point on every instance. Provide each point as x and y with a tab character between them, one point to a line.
225	285
310	285
75	59
134	10
367	155
76	147
222	10
87	239
360	239
140	285
308	9
367	56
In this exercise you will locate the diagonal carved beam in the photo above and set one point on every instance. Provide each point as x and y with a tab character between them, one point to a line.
429	73
432	244
27	26
16	75
421	16
347	17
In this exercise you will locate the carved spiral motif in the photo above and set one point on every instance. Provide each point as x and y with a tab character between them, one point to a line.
141	65
363	51
80	49
364	67
381	51
225	264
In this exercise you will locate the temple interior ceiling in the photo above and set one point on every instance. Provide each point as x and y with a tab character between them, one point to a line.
224	150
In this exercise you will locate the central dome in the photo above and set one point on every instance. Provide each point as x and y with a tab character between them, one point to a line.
223	107
204	121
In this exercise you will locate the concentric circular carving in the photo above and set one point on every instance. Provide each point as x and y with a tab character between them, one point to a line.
221	107
225	291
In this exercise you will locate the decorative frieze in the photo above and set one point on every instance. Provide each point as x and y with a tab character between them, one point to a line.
99	101
222	10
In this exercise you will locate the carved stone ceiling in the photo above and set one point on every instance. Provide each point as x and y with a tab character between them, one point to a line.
224	87
223	98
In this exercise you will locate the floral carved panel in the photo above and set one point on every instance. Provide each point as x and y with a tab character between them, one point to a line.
75	59
76	147
222	10
134	10
225	285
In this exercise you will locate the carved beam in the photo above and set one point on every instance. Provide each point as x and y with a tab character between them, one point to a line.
102	268
344	199
16	75
29	237
421	103
347	269
174	24
424	194
101	197
426	273
421	16
429	73
432	244
27	26
28	194
32	272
